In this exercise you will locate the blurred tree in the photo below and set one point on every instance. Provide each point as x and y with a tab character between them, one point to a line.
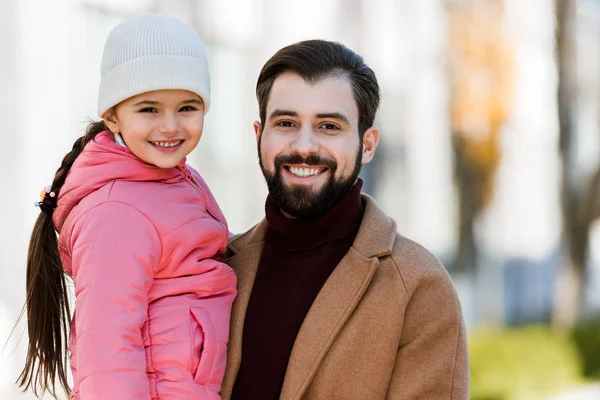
481	78
580	196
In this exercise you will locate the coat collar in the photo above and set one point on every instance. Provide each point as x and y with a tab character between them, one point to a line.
332	307
375	236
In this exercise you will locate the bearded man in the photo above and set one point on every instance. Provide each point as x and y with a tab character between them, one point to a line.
332	302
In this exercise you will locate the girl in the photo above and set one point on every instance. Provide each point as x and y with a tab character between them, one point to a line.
139	233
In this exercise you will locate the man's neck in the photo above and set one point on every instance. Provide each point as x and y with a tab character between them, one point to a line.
341	220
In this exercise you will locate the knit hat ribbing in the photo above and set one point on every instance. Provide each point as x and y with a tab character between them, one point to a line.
152	52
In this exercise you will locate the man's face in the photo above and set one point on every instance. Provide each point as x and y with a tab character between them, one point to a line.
309	149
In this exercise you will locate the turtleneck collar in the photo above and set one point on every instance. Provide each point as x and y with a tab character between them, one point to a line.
302	234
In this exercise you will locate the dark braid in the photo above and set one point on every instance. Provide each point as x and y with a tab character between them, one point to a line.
47	302
92	130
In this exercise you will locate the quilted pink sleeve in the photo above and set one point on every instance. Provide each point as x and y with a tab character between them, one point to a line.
115	251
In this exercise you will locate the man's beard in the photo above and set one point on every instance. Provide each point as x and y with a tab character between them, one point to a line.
302	201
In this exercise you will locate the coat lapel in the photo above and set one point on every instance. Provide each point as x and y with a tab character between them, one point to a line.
337	299
326	317
247	250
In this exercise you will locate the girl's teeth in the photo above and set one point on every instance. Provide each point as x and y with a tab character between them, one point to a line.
166	145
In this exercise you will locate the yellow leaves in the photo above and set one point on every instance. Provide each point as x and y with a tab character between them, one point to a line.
481	70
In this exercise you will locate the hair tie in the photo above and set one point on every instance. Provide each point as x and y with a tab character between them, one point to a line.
47	202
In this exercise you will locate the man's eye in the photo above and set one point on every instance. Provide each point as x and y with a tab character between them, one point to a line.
148	110
329	126
285	124
188	109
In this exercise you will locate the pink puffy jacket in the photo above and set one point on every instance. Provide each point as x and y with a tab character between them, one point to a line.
145	247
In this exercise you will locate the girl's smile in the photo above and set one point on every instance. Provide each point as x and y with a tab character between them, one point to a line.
160	127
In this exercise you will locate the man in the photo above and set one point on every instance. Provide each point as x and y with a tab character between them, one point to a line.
332	302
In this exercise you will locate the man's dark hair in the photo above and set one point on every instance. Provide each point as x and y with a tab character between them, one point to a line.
315	60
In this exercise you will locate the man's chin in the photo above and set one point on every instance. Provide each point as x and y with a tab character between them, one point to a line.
305	198
313	188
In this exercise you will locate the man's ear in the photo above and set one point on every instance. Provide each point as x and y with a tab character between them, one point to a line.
370	142
257	129
110	120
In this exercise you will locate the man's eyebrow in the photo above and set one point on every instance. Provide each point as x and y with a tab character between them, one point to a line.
334	115
283	113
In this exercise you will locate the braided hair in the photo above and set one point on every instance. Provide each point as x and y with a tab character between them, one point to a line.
47	303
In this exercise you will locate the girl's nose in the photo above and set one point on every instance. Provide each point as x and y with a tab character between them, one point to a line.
170	125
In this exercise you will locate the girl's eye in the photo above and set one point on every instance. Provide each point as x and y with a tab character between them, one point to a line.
188	109
148	110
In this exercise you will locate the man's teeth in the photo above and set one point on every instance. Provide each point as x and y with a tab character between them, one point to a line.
304	171
166	145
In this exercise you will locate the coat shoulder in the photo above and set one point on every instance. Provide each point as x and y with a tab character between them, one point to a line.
417	266
240	241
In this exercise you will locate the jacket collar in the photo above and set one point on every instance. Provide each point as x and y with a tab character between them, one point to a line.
103	161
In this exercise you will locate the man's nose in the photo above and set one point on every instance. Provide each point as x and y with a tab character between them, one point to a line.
305	143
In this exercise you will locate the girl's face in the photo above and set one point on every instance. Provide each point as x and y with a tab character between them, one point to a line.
160	127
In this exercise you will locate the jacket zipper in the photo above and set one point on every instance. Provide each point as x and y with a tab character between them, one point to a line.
190	179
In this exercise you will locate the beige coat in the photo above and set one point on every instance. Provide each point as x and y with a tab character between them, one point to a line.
387	323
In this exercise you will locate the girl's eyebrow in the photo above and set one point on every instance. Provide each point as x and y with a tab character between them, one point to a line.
193	101
147	102
153	103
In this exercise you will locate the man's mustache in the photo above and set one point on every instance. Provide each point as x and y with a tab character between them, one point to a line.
312	159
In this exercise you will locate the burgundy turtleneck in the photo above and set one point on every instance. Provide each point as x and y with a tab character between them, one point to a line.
297	258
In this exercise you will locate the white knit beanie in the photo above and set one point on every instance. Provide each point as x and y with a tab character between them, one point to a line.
152	52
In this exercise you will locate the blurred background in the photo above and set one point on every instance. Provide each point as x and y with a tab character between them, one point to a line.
489	153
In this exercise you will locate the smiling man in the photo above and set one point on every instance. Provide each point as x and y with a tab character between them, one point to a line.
332	302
